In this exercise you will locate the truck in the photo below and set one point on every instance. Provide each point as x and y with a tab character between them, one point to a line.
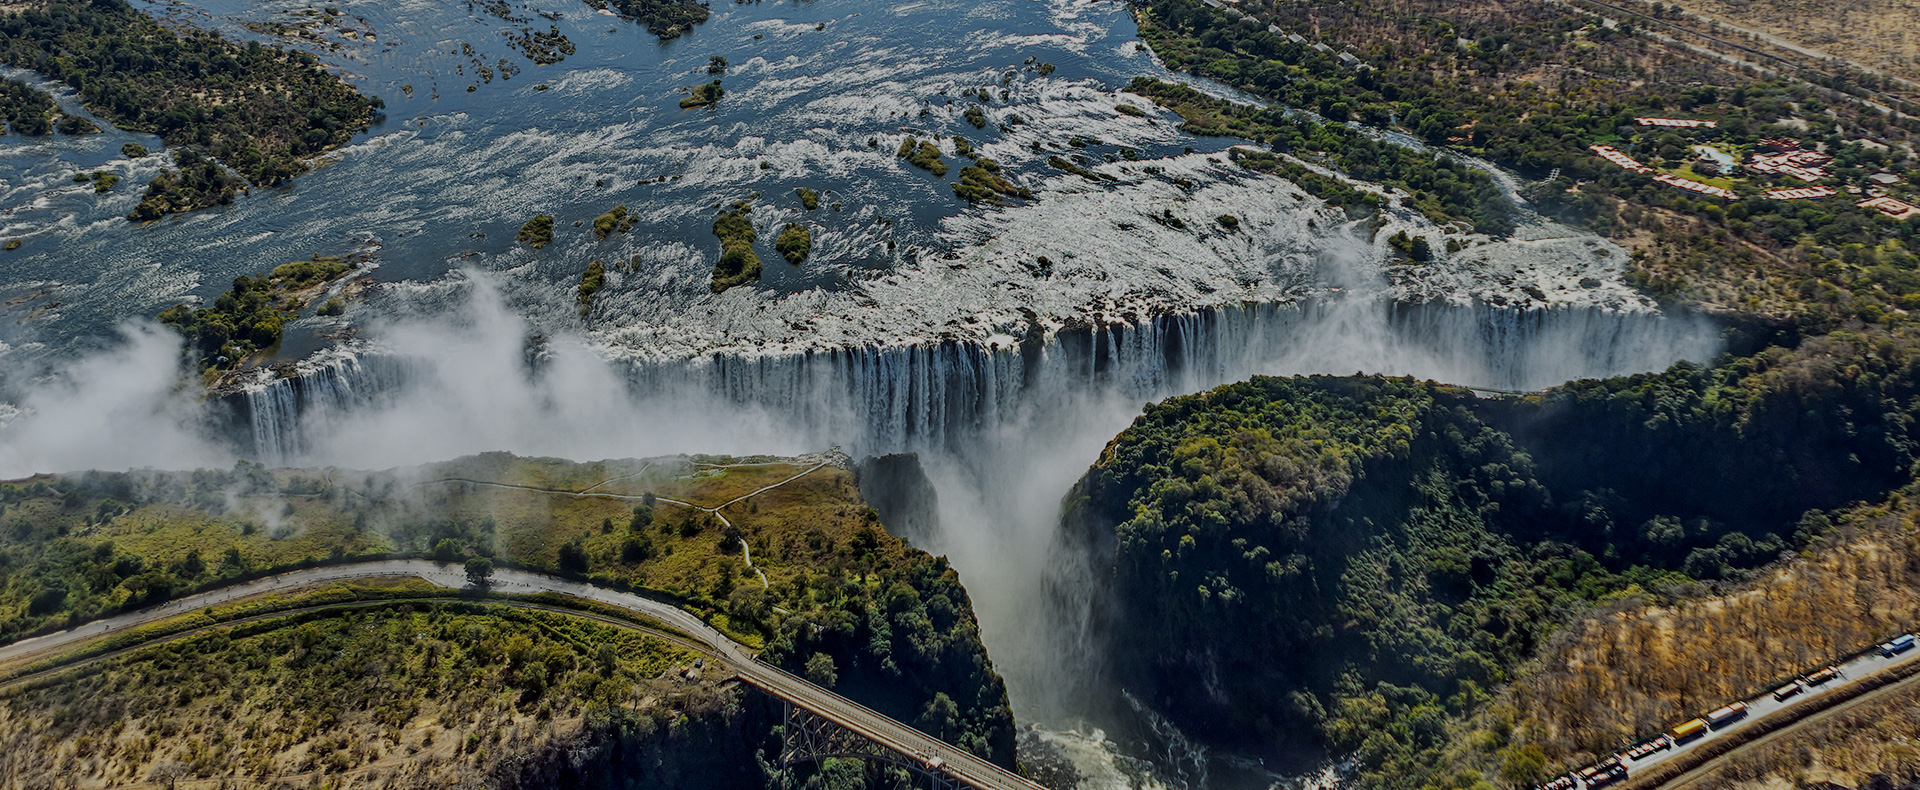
1722	717
1689	731
1782	693
1900	644
1604	774
1822	677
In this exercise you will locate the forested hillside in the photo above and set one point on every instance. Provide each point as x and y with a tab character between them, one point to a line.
782	555
1353	563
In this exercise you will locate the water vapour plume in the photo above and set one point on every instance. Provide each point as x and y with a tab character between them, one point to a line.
123	408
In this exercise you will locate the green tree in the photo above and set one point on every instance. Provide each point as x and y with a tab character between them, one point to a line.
821	670
479	571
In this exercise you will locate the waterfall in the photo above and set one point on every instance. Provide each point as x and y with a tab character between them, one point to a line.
928	396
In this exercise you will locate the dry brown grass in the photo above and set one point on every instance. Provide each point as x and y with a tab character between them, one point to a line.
1878	34
1634	670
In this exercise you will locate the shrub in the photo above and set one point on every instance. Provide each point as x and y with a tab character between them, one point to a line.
538	232
794	242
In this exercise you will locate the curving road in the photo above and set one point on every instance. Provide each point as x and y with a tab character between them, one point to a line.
961	765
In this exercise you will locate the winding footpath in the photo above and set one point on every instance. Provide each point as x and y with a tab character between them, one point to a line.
957	763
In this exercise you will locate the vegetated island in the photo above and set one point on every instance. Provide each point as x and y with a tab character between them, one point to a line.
668	19
738	263
537	232
259	111
703	95
794	243
924	155
32	112
246	320
423	686
1366	565
617	220
591	281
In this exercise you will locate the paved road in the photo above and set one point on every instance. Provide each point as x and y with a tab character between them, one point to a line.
1765	705
955	762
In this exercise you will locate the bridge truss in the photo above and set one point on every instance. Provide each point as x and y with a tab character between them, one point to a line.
809	737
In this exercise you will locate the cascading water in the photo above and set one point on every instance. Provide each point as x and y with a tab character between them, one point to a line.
939	396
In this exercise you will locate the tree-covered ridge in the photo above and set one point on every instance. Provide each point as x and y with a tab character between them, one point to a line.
1530	85
1356	563
842	601
258	110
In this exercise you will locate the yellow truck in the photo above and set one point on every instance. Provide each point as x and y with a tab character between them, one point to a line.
1690	730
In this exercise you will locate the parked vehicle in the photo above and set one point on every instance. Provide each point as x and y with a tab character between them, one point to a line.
1606	773
1822	677
1689	731
1562	782
1782	693
1722	717
1659	743
1900	644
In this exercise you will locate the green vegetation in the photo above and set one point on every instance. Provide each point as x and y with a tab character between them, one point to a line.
26	110
1356	203
1415	248
809	199
975	116
1529	85
133	150
1062	164
1444	189
716	65
1363	561
439	690
617	220
703	95
591	281
738	263
923	155
538	232
982	182
198	182
247	318
794	242
667	19
102	180
258	110
74	124
1128	109
893	623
